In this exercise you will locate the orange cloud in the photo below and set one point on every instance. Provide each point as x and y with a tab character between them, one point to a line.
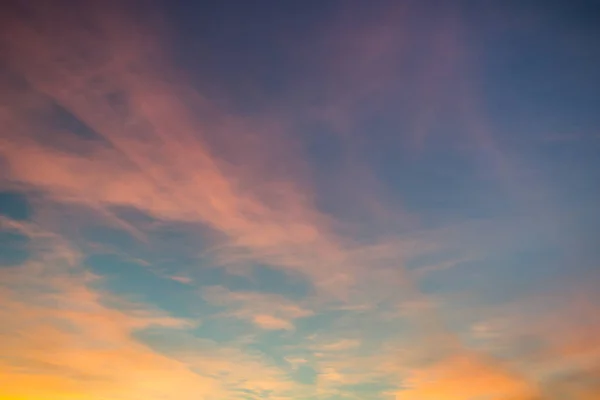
465	377
160	148
552	336
270	322
59	340
569	332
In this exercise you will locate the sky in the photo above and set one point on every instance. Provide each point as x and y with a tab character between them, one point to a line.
305	200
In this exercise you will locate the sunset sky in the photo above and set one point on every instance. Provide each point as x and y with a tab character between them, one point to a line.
304	200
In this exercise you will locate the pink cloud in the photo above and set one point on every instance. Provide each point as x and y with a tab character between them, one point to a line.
157	156
267	311
182	279
270	322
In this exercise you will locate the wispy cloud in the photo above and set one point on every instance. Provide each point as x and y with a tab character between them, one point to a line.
153	155
63	338
370	233
270	312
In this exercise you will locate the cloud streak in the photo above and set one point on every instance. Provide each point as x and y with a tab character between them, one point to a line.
153	156
360	234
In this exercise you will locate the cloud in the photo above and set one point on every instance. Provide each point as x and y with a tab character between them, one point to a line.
182	279
156	151
340	345
59	339
551	337
64	338
270	322
98	119
162	149
267	311
159	148
463	377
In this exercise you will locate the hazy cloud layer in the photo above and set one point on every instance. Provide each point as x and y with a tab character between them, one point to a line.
336	200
